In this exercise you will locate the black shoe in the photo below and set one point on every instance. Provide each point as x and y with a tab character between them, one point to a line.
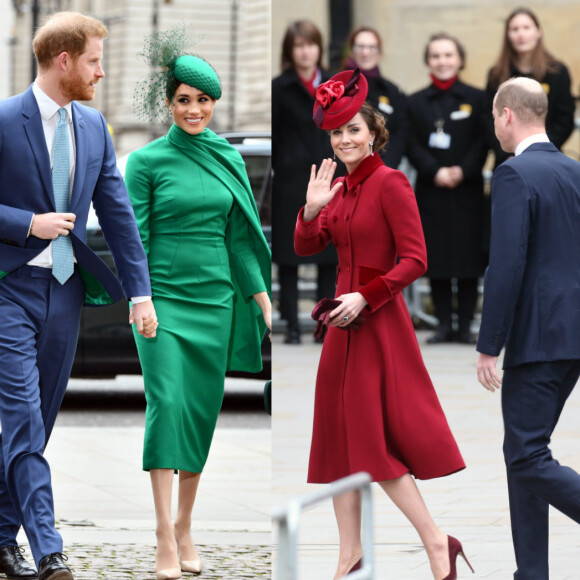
52	567
465	337
292	337
13	564
442	334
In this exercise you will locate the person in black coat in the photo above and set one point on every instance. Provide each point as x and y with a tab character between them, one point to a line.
447	147
523	54
365	49
297	144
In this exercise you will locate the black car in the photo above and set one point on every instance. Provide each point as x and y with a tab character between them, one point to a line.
106	346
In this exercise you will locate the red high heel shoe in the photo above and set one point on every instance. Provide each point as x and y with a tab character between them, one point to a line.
455	549
356	566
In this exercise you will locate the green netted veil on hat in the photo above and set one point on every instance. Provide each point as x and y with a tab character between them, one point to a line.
171	64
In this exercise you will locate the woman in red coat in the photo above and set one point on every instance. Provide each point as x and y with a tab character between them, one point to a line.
376	409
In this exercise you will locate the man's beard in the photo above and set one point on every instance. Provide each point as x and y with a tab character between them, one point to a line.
76	89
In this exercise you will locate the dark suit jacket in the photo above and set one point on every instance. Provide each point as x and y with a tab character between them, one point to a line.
532	284
26	188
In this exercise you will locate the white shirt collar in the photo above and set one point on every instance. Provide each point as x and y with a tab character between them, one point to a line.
48	107
537	138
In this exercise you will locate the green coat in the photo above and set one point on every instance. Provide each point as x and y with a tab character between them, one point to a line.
216	155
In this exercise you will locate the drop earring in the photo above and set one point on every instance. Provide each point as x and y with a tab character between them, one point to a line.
334	155
371	144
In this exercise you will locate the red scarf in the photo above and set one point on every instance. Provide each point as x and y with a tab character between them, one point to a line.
444	85
309	84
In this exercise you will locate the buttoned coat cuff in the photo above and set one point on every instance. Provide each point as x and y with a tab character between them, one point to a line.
376	293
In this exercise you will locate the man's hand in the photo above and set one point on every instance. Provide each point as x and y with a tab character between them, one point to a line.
48	226
486	372
144	317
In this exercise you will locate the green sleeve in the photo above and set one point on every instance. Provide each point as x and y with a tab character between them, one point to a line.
243	255
138	182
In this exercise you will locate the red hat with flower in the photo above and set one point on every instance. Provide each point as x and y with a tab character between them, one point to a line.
339	99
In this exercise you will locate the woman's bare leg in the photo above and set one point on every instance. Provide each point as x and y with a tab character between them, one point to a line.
348	513
166	553
188	483
405	494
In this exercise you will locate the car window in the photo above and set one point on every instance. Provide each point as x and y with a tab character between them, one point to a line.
256	166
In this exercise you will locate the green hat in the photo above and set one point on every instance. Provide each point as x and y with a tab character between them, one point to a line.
171	64
198	73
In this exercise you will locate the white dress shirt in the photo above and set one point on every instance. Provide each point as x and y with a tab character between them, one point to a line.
537	138
49	113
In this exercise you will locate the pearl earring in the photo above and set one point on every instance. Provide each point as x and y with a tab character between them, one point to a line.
371	144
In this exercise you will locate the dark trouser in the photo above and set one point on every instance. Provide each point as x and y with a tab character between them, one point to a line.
288	278
38	335
533	396
442	296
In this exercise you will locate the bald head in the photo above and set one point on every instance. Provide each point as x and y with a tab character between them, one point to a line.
526	98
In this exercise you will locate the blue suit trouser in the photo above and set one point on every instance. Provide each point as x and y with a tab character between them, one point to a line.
39	324
533	396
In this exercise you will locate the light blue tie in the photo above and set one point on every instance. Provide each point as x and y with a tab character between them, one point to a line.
62	251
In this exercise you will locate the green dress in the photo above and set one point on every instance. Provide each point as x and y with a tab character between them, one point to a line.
207	257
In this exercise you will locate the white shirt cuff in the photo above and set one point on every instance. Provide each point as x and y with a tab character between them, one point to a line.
139	299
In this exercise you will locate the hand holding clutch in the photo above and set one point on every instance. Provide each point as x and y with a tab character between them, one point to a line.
321	314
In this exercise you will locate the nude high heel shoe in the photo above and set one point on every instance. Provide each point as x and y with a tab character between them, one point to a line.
168	574
193	566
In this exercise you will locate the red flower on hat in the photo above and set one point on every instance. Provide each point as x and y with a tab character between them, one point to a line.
329	92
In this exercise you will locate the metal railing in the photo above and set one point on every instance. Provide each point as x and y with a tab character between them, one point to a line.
288	518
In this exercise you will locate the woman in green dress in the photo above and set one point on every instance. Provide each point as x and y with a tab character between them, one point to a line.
210	273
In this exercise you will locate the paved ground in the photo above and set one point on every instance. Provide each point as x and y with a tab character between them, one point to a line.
471	505
104	506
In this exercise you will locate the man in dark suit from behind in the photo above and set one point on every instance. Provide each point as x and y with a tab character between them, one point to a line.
532	307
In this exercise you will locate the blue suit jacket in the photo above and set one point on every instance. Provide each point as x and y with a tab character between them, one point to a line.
26	188
532	284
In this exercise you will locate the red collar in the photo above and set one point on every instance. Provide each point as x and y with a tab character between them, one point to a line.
444	85
309	84
363	170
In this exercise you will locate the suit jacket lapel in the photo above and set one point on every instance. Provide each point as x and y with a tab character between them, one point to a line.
81	155
35	134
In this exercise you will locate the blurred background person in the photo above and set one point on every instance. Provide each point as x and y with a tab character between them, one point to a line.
296	144
523	54
447	147
365	51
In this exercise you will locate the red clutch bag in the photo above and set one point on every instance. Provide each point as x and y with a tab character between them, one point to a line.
321	314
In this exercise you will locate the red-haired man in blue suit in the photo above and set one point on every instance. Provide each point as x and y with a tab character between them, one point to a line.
56	157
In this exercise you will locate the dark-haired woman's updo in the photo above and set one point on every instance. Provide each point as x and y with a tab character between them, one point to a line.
376	123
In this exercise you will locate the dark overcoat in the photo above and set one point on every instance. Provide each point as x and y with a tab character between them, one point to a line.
297	143
386	97
375	409
452	219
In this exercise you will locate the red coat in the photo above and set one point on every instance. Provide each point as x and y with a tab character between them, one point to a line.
375	407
